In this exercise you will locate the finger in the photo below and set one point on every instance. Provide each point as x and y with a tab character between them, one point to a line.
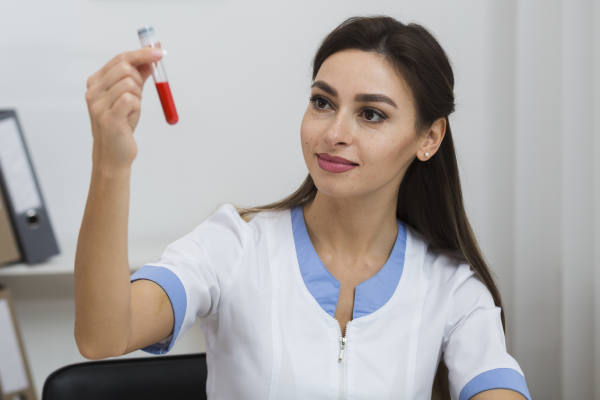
137	57
145	70
126	85
93	79
117	73
125	105
134	57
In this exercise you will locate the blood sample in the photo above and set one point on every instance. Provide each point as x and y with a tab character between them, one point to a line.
148	39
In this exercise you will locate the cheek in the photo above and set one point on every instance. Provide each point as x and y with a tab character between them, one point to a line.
308	133
386	158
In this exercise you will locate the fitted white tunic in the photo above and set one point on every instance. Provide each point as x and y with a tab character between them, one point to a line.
266	306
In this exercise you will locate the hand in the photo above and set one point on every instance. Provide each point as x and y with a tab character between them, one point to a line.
114	101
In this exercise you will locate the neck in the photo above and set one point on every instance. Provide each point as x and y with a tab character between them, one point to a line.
357	226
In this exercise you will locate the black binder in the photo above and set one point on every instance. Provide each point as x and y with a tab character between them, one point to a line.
23	197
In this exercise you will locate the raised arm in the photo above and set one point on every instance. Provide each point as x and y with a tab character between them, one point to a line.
498	394
113	316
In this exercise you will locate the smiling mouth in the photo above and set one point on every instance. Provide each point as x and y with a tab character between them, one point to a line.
334	164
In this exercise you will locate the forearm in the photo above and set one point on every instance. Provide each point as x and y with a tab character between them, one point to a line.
103	300
498	394
102	287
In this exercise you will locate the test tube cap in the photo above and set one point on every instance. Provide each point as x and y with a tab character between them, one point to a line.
147	36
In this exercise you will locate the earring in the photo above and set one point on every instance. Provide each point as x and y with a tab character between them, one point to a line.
426	154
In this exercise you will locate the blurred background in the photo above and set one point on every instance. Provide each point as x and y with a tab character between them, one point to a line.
527	132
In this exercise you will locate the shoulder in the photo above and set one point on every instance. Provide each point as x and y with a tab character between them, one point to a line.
226	217
271	220
222	234
437	265
450	273
226	224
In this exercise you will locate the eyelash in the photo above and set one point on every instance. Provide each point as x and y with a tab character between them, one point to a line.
313	100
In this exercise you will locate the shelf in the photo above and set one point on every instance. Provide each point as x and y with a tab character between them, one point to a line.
139	255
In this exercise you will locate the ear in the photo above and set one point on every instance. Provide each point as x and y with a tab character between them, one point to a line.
432	140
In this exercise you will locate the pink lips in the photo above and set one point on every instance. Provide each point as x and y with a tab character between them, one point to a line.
334	164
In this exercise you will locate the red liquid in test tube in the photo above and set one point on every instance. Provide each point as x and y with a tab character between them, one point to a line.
159	74
166	99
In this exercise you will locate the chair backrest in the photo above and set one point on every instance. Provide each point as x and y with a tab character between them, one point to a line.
151	378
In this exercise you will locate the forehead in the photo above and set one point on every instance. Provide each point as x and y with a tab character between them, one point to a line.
351	72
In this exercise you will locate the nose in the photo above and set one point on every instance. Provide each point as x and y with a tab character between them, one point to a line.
339	132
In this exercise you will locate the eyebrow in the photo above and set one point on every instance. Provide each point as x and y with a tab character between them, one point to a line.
362	98
325	87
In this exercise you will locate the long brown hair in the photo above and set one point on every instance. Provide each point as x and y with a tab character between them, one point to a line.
430	195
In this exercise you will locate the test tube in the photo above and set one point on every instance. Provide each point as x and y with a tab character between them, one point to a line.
148	39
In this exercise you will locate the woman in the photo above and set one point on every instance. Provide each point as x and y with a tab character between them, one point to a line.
366	283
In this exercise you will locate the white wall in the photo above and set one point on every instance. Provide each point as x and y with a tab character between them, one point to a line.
240	75
538	193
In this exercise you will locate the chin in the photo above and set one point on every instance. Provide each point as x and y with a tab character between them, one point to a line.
340	186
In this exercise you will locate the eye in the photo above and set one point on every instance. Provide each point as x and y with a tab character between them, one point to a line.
373	115
320	102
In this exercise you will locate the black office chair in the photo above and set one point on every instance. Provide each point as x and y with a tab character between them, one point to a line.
167	377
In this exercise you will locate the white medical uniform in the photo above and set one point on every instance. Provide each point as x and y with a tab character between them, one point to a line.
267	303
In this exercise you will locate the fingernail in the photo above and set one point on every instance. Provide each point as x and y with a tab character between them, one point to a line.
157	54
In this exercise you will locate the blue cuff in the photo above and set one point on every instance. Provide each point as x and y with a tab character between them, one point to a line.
501	378
171	284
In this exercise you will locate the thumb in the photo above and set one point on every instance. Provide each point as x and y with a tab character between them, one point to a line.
145	70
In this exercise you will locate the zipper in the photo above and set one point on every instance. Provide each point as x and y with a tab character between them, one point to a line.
342	359
342	348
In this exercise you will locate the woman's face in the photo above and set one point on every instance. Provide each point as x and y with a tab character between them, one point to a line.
362	111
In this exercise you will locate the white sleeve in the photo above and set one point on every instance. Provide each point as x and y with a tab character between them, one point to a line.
474	345
198	269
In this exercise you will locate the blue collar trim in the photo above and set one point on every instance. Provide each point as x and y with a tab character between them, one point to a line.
369	296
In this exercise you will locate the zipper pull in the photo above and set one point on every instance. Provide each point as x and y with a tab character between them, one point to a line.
343	346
